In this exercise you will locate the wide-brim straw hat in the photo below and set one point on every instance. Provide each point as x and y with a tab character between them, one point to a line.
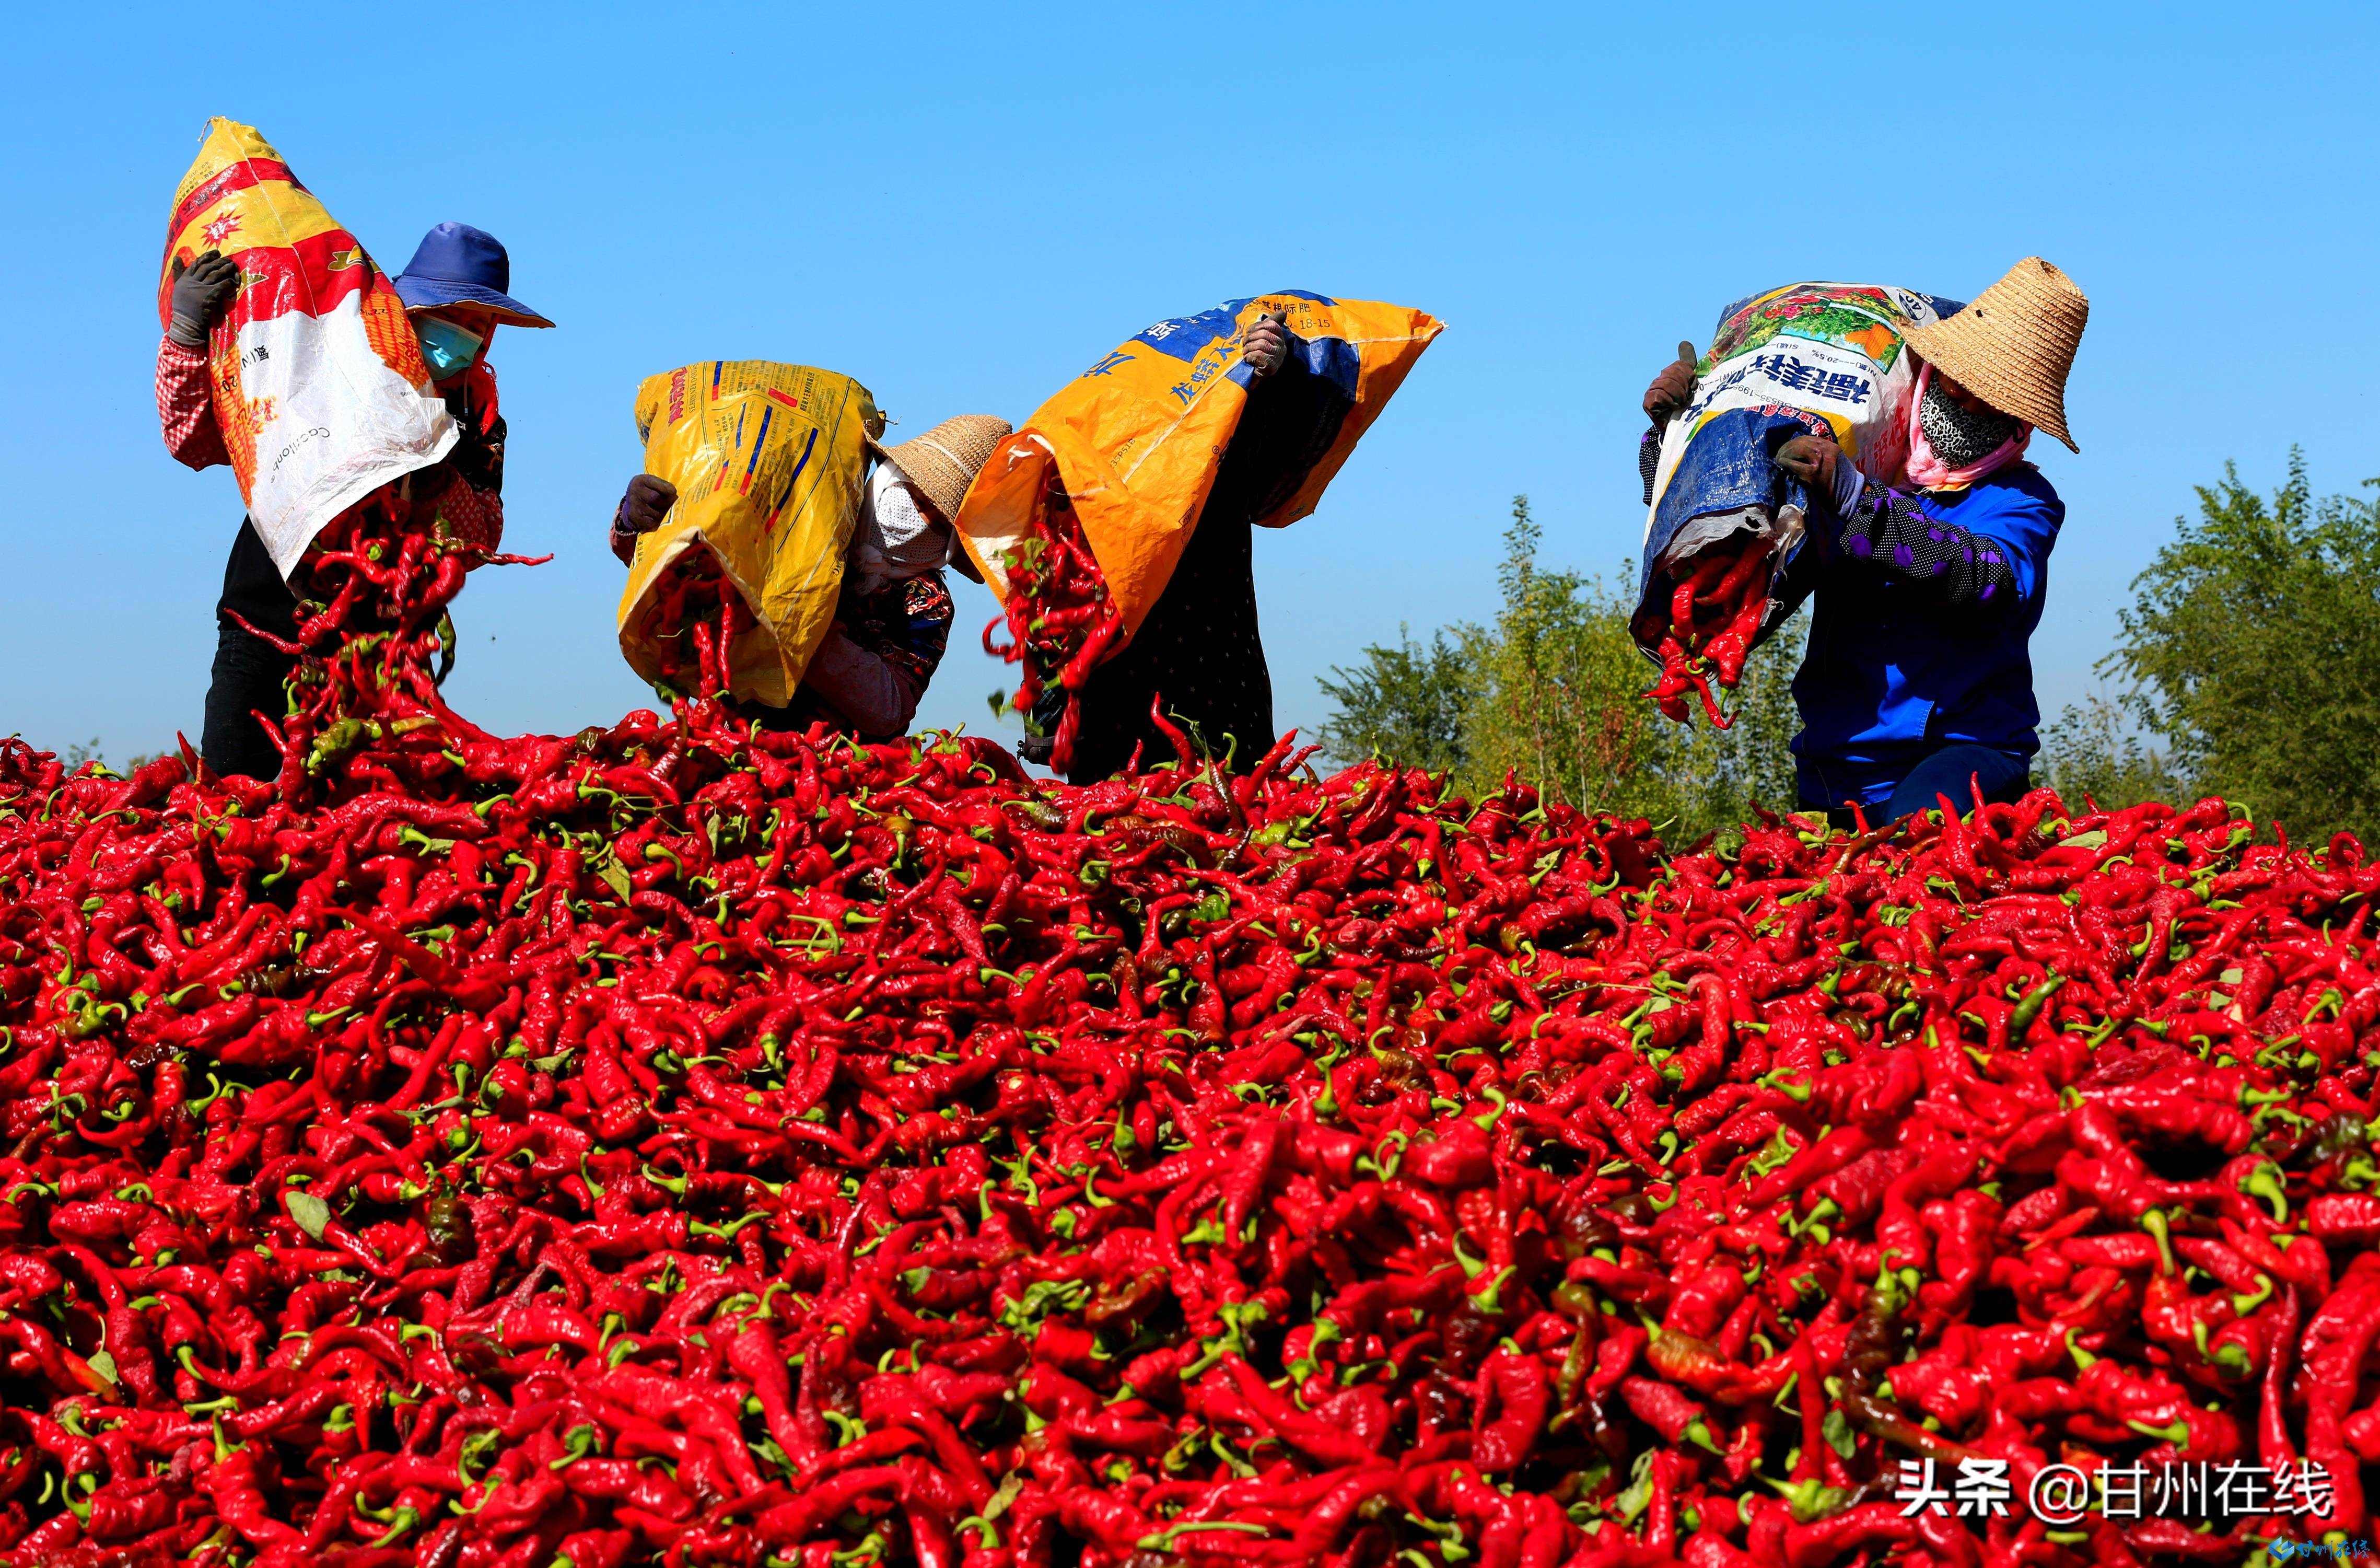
2014	345
943	462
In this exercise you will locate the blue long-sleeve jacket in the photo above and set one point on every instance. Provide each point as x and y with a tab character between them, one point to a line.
1920	633
1926	604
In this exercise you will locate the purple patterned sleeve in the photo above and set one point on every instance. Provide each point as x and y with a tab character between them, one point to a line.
1886	527
1648	459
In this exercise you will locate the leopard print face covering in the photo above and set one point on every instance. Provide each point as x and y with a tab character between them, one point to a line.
1961	435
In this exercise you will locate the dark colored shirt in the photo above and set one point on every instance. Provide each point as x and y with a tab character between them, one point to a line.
877	660
1920	636
1200	650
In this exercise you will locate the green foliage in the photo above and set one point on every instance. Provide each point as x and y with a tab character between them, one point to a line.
2094	751
83	752
1552	691
2253	649
1405	702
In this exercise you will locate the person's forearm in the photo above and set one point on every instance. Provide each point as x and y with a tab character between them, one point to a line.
1649	460
623	538
185	407
1965	568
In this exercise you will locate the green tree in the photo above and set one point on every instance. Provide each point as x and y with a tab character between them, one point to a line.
1553	692
2095	752
2252	650
1406	704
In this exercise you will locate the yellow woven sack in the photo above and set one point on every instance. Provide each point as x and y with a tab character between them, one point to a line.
318	383
768	461
1137	438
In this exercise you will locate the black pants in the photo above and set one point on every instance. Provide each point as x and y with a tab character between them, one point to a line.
249	671
1955	770
1199	651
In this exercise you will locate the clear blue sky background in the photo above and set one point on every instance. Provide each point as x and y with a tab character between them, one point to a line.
964	206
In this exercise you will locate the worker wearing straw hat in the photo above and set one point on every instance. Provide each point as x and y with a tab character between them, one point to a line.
894	619
1918	681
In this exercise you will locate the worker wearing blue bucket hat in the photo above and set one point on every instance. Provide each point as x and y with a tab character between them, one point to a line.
456	291
461	268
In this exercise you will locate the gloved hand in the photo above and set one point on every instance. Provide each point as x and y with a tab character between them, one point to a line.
648	501
202	292
1673	388
1811	459
1049	710
1267	348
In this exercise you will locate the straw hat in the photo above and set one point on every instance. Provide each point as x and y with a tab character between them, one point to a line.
942	462
2014	344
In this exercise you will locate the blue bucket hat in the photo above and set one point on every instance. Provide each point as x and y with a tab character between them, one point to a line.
461	265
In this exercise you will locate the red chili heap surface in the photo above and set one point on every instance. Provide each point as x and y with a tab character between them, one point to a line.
1715	611
1059	617
662	1145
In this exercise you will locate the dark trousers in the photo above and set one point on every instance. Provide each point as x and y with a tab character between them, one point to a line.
1955	770
249	671
1199	652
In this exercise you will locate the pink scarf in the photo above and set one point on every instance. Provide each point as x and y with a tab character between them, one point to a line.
1927	471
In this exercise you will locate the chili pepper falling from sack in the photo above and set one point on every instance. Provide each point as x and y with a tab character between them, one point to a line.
1715	608
1061	621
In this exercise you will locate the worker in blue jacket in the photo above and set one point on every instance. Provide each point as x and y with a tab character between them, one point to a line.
1918	682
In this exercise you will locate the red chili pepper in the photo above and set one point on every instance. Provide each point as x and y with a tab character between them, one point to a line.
743	1144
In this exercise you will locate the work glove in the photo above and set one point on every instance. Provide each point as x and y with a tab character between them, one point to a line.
1672	389
1812	460
1267	348
201	293
641	510
1048	710
648	501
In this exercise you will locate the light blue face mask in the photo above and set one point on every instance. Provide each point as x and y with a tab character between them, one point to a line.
447	348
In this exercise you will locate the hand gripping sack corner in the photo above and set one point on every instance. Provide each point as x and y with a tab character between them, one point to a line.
320	388
768	461
1135	440
1827	358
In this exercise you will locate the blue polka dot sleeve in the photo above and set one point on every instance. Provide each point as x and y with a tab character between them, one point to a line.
1887	528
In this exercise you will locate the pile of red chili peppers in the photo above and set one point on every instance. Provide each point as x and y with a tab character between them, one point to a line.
1715	611
673	1143
1061	619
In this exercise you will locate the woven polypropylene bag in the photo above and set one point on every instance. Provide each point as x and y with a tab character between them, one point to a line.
1825	359
768	460
1136	439
320	388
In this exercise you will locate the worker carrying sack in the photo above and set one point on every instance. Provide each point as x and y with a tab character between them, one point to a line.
318	383
1823	358
768	461
1135	441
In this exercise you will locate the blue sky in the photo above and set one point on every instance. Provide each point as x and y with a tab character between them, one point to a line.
964	206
